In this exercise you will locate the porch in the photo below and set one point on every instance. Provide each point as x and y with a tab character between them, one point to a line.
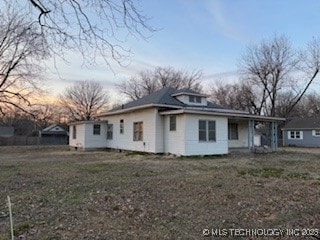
255	135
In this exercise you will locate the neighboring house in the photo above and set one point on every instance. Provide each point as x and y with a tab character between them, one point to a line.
304	132
180	122
54	135
6	131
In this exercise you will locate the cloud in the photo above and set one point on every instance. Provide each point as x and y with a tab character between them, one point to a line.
226	19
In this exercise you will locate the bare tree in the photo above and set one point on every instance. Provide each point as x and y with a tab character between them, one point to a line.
272	67
83	100
308	106
93	28
150	81
21	49
240	96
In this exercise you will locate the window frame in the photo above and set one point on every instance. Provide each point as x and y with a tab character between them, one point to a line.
74	132
206	130
109	131
295	135
172	123
194	99
121	126
316	132
96	131
230	128
138	131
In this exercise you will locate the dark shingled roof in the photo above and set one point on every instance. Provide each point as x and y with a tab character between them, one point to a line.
303	123
164	97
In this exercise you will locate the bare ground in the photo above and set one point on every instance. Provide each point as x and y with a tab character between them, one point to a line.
58	194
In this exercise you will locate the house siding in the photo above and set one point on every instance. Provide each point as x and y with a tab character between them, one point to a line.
85	139
308	139
159	136
150	132
95	141
79	141
192	144
174	140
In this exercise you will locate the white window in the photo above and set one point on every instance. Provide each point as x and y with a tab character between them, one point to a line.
316	132
137	131
295	135
233	131
110	131
121	126
173	123
96	129
207	130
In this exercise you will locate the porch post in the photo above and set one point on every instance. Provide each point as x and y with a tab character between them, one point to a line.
274	136
250	134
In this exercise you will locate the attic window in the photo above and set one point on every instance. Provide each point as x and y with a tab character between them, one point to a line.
194	99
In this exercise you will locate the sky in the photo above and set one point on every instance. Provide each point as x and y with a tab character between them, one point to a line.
206	35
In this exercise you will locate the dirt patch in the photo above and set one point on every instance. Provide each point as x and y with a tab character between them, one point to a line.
58	194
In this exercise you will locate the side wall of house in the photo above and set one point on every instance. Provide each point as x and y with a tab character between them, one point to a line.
125	140
308	139
85	139
79	141
159	129
174	140
195	147
242	140
95	141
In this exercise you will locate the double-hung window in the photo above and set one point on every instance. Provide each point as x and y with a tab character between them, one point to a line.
137	131
74	132
173	123
207	130
295	135
121	126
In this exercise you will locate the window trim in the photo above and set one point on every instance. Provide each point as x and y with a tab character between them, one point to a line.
194	99
121	126
95	131
109	131
316	132
207	130
74	132
138	131
293	135
172	123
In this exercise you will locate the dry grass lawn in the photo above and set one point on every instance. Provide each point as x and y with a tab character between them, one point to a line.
59	194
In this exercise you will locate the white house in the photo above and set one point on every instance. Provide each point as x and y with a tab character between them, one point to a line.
180	122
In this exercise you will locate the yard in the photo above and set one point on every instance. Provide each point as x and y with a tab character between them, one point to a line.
60	194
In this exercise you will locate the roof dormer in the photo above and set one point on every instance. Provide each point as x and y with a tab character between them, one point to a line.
191	97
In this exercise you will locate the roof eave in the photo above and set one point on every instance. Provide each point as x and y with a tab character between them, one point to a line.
226	114
132	109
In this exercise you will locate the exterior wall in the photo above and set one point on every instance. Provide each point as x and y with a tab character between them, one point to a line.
124	141
80	136
174	140
85	138
192	144
242	140
95	141
159	136
308	139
